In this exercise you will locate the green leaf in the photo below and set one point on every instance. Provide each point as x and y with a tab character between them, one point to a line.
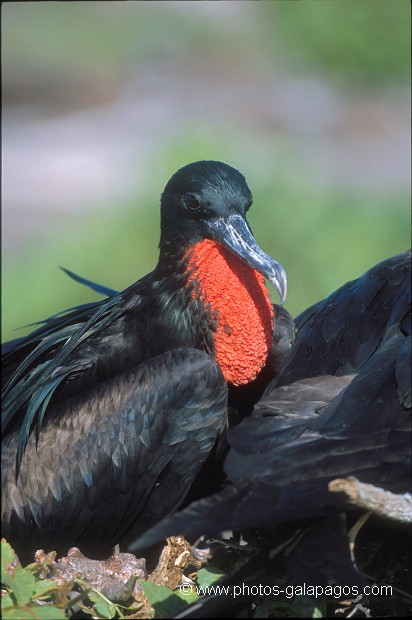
165	602
34	612
209	576
44	586
317	613
8	554
48	612
22	584
103	607
188	598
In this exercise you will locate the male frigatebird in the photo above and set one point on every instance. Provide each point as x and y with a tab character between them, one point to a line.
111	409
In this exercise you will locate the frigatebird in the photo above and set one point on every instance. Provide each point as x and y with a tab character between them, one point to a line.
110	409
339	407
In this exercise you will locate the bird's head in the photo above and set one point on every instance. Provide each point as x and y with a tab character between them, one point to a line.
209	200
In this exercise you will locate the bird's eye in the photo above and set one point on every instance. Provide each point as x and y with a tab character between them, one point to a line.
192	202
249	204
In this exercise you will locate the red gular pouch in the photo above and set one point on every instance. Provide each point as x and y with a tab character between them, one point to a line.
235	295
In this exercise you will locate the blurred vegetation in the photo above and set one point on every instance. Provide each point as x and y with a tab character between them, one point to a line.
323	235
357	42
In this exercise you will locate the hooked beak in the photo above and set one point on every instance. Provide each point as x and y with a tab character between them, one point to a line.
234	233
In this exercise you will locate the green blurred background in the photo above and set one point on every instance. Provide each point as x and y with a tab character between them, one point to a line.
103	101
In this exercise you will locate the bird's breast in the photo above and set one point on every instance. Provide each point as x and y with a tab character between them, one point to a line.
236	299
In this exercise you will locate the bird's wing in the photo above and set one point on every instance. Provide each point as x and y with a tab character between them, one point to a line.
130	448
340	333
361	433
